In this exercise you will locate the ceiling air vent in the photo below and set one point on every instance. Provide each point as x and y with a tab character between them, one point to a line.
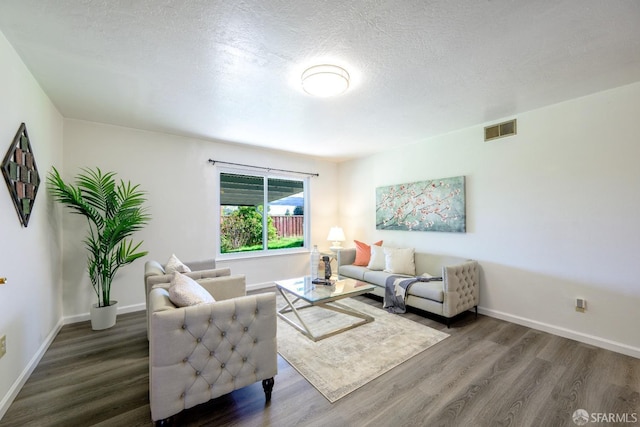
500	130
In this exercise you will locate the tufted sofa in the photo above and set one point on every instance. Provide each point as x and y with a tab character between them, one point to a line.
458	291
200	352
154	276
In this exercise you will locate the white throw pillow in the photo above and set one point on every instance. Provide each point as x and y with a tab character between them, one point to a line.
174	264
376	262
399	261
184	291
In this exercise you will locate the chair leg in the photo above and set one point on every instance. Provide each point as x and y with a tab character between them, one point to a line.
164	423
476	311
267	385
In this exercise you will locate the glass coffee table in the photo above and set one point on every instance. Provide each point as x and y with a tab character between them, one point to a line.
323	296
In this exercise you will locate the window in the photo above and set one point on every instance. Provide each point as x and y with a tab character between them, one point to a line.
245	224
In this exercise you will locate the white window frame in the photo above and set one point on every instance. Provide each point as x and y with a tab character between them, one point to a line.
265	175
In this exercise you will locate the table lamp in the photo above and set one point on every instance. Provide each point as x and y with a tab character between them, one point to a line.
336	236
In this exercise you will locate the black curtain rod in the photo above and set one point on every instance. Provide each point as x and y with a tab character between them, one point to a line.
213	162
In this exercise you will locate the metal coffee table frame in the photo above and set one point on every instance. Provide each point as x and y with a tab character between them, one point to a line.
329	303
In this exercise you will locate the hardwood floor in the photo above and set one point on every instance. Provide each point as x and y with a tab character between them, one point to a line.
487	373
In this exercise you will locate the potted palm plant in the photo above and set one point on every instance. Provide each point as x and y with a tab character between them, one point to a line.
114	211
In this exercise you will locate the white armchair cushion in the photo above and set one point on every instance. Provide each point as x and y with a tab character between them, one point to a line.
400	261
174	264
184	291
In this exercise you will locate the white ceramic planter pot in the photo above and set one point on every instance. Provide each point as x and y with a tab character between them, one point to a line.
104	317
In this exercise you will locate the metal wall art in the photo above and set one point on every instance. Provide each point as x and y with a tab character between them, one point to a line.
434	205
21	174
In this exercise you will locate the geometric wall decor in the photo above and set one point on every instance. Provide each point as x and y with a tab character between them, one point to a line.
21	174
434	205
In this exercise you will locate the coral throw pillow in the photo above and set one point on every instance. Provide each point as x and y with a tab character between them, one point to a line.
363	252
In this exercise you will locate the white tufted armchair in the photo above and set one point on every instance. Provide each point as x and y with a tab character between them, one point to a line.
204	351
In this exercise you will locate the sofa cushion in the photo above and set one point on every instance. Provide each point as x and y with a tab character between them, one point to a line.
363	252
184	291
377	258
399	261
429	290
174	264
378	277
352	271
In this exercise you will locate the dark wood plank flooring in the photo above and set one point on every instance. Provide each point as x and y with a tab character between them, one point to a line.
488	373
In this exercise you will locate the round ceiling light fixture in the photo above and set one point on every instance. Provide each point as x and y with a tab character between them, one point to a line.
325	80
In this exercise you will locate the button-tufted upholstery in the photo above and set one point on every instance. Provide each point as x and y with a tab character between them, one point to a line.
227	285
460	286
201	352
458	291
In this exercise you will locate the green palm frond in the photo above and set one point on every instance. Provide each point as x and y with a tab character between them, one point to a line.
114	212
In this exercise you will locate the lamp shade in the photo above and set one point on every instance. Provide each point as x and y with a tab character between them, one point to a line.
325	80
336	235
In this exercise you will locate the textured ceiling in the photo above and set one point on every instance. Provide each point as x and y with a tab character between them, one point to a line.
230	70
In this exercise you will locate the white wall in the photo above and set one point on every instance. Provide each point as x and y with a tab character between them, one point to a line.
31	301
552	214
181	191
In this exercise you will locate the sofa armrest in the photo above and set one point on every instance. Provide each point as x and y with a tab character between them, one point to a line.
152	268
461	286
204	351
347	256
159	300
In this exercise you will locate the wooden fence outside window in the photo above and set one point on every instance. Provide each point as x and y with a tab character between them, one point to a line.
289	225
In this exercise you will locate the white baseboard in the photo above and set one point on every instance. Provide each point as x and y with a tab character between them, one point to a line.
564	332
121	310
7	400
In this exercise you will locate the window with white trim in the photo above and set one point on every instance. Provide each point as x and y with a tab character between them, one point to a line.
245	226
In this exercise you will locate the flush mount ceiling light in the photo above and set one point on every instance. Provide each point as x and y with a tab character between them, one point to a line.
325	80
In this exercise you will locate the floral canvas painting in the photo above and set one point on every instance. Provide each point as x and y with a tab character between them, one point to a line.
434	205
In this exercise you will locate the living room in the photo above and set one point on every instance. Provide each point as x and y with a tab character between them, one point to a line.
551	212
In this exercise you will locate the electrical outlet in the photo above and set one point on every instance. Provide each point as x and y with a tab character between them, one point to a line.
3	345
581	305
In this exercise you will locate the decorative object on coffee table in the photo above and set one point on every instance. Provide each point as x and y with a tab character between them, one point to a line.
327	267
315	262
21	174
